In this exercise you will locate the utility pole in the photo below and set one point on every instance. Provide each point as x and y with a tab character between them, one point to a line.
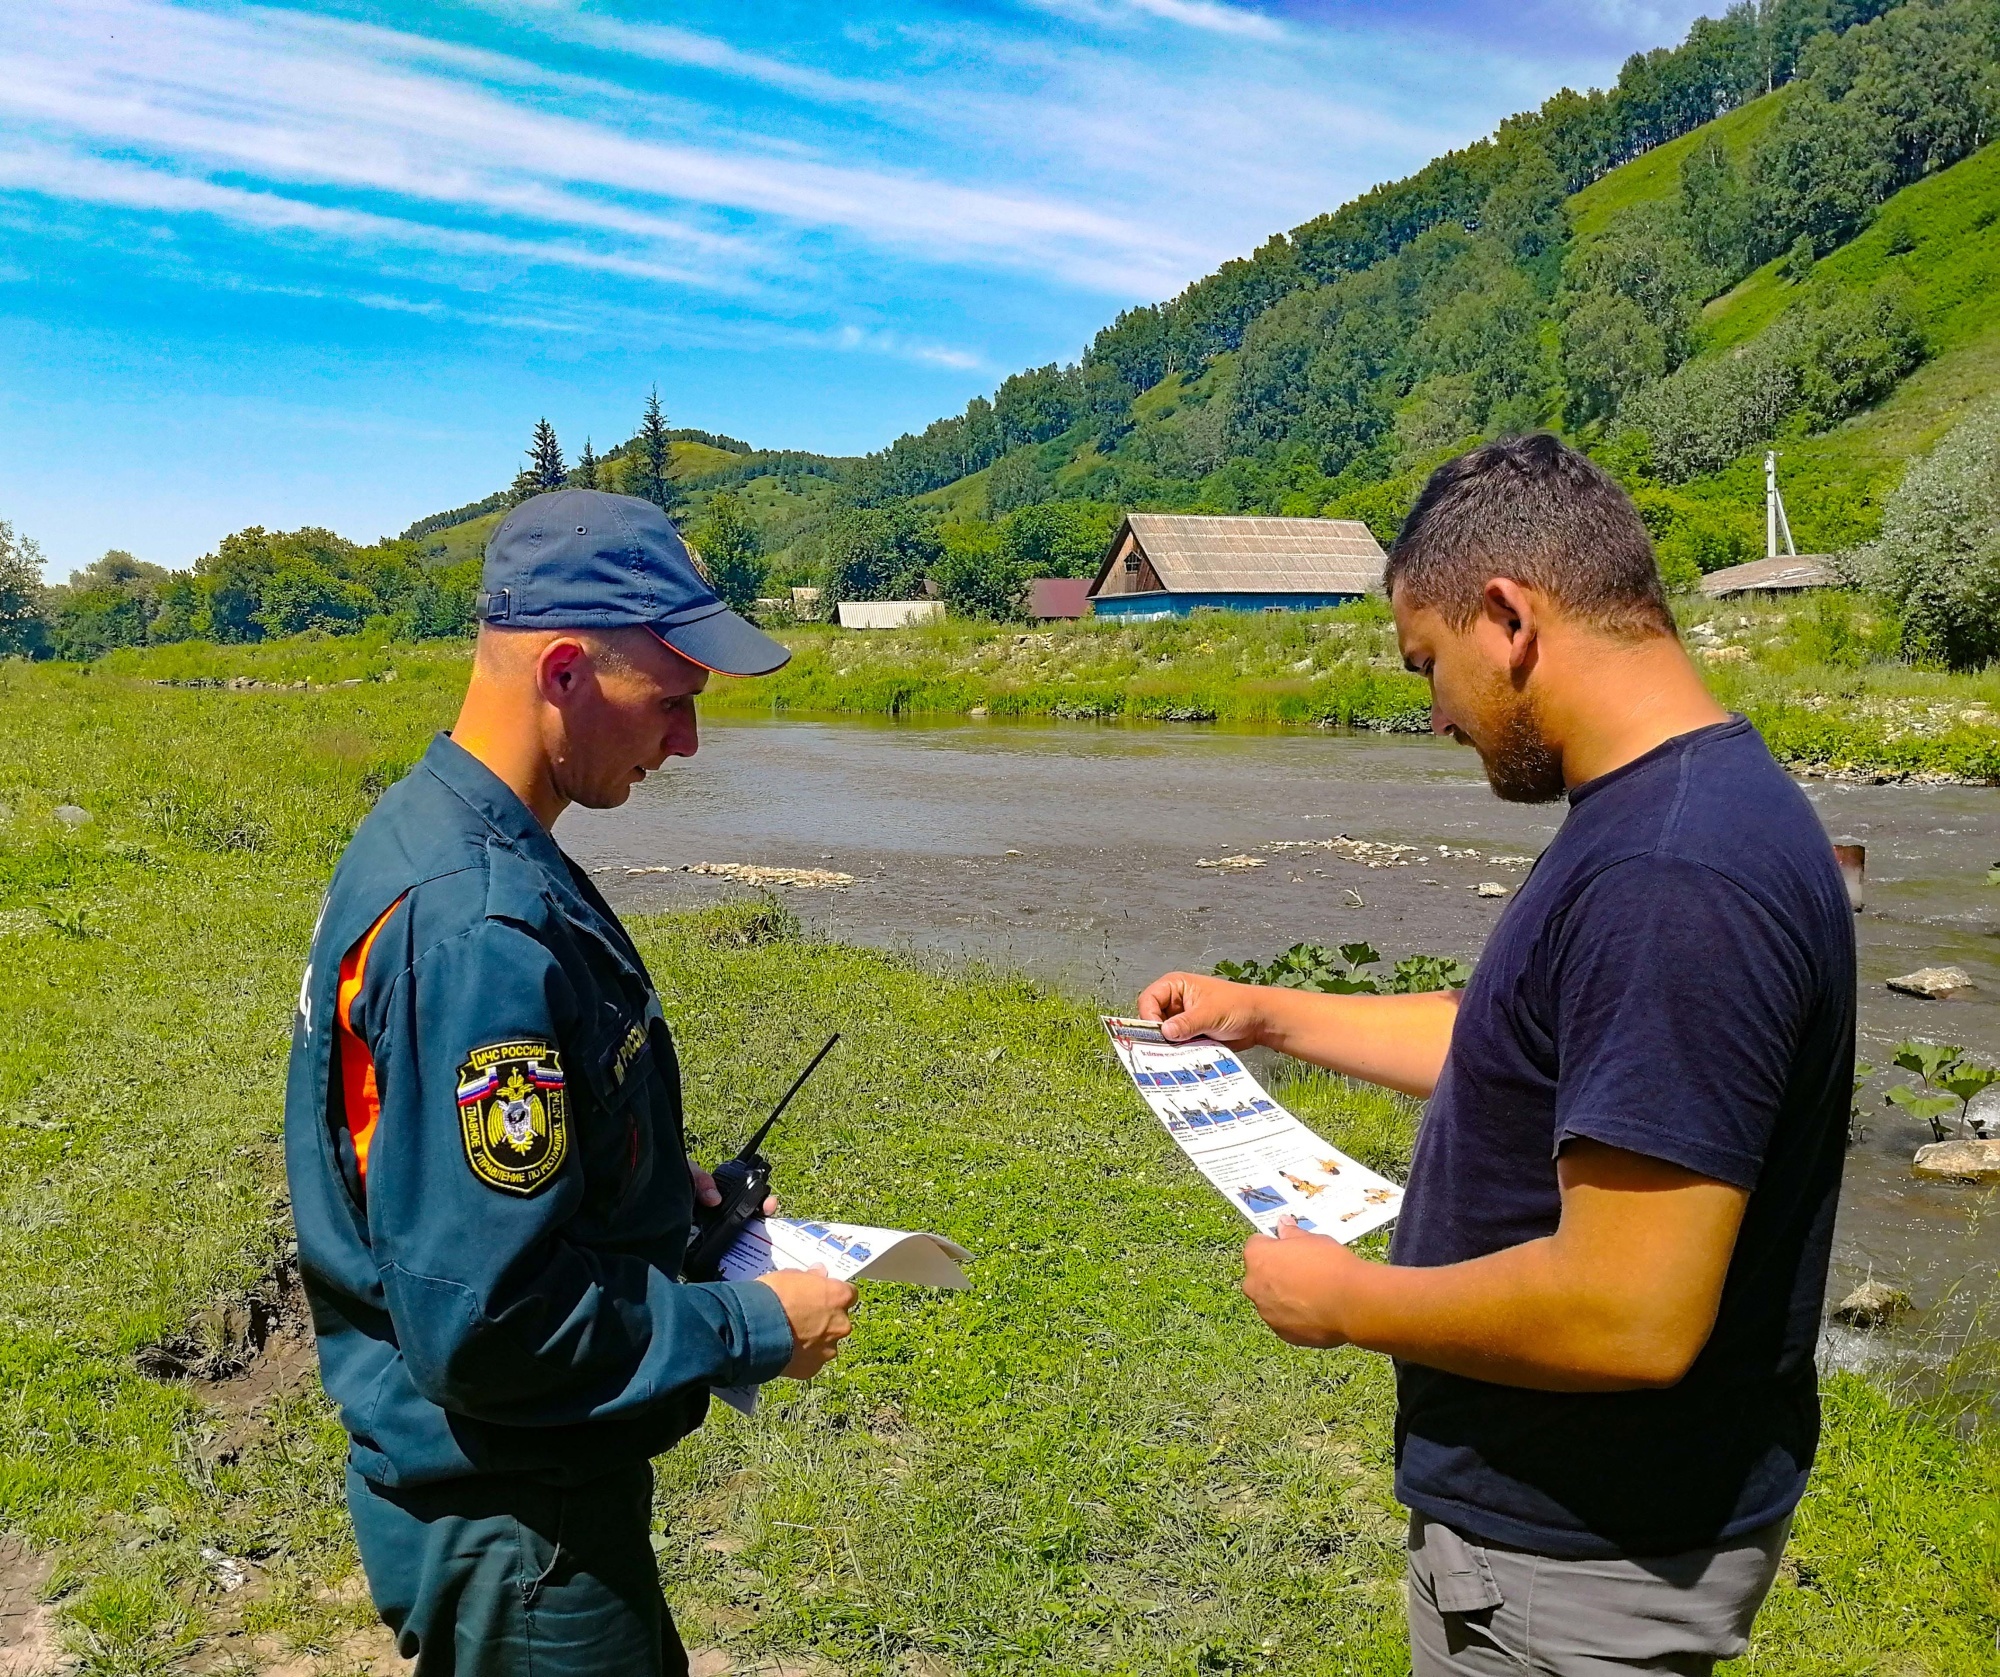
1775	520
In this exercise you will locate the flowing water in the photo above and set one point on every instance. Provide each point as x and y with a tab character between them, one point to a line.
1071	851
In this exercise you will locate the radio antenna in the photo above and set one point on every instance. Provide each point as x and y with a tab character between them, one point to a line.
757	1140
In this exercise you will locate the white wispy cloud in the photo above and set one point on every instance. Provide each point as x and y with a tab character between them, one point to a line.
306	107
93	180
1216	17
906	151
663	43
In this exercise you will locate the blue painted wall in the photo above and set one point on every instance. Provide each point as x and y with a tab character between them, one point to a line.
1140	607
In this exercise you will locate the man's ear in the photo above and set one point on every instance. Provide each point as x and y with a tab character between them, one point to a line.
560	670
1514	610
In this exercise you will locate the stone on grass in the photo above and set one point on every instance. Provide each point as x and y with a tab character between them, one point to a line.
1959	1161
72	815
1935	984
1873	1304
1489	888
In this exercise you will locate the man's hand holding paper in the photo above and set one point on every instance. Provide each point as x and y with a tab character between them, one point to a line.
1294	1279
1397	1041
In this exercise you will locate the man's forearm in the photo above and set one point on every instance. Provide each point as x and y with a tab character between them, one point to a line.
1623	1294
1399	1042
1518	1318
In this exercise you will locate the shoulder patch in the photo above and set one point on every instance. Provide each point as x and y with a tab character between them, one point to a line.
513	1114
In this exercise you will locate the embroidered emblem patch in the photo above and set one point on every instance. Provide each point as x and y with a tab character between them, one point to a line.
512	1110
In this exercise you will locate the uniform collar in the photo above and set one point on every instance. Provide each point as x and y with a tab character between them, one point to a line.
496	803
515	825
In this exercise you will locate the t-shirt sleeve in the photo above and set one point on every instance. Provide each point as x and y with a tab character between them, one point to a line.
1679	1000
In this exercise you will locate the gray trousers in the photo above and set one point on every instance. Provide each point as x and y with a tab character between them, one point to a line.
1482	1611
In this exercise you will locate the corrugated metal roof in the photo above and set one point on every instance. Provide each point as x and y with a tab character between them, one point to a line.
1806	570
1260	555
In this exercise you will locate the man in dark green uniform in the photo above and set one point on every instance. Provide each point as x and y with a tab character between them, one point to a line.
483	1134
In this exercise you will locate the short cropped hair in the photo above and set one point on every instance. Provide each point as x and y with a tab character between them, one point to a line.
499	642
1539	513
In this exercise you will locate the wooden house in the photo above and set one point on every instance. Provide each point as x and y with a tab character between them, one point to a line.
1169	564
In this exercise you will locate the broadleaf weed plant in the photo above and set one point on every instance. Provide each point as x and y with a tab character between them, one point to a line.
1342	971
1947	1079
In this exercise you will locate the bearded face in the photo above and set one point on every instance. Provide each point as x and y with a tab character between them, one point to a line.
1521	765
1480	701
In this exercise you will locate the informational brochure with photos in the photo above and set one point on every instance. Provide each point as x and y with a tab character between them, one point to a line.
1262	1159
848	1252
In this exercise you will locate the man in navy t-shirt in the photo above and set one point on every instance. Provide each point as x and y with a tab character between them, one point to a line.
1605	1287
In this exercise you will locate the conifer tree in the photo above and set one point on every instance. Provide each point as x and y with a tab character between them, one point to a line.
586	467
655	455
545	457
544	470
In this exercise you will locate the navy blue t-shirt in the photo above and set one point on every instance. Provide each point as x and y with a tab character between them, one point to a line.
1675	978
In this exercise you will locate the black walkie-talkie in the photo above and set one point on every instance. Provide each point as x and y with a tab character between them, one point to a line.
744	1183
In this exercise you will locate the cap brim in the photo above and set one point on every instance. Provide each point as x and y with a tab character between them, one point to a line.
725	643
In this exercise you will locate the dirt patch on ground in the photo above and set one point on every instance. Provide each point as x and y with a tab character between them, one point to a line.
244	1352
228	1336
30	1643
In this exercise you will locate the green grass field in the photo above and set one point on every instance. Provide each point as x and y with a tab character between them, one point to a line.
1817	674
1655	176
1095	1461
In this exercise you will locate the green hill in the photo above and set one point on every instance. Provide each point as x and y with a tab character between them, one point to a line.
1655	177
1600	266
1940	239
1836	232
782	494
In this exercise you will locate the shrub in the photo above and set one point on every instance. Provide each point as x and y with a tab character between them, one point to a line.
1938	556
1821	361
876	553
24	629
975	575
1834	632
1691	537
1701	417
1342	972
1855	351
88	622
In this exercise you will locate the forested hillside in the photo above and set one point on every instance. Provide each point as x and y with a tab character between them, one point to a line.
1784	231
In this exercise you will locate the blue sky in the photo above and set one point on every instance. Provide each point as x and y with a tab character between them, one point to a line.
327	263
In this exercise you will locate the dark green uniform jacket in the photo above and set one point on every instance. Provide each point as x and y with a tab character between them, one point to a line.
492	1268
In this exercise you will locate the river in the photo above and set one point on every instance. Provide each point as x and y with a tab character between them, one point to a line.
1070	851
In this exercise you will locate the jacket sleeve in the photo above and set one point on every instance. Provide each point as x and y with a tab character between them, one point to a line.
502	1315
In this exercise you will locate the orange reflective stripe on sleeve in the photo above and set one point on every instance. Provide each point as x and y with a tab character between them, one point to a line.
359	1094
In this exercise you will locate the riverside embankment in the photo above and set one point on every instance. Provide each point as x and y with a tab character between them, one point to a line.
1817	674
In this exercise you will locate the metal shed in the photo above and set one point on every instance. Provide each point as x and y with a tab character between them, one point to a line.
1168	564
1785	574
